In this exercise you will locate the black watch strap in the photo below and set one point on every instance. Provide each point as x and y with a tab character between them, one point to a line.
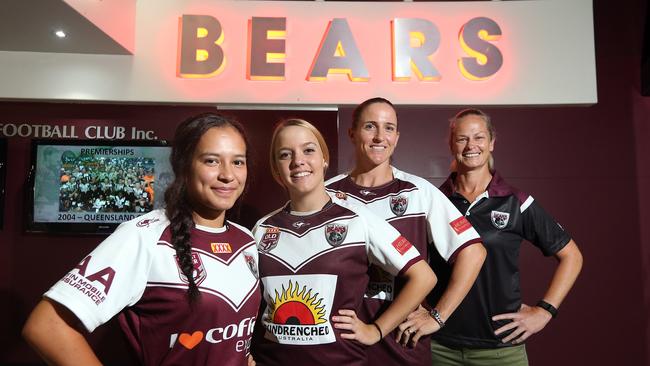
548	307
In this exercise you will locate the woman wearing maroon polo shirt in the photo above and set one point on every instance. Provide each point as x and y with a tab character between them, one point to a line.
492	322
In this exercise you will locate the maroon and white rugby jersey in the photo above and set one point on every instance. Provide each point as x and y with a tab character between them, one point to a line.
311	266
134	272
425	217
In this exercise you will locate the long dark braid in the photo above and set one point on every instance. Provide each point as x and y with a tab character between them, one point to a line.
178	206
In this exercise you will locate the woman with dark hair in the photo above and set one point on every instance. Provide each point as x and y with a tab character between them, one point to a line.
421	213
314	257
492	323
184	280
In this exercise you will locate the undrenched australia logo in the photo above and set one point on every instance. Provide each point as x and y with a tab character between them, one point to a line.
297	313
398	205
335	234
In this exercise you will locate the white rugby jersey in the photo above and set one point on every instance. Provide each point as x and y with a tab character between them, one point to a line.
312	266
427	218
134	272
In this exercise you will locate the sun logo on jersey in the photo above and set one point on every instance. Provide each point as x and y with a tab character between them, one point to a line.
398	205
335	234
297	306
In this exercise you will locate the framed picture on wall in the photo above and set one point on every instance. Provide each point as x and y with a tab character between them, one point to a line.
3	177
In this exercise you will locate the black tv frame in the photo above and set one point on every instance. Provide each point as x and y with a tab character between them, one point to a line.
69	228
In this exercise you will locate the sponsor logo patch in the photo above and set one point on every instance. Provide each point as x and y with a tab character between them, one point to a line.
499	219
270	239
460	225
366	192
341	195
297	306
252	265
199	274
146	222
335	234
402	245
220	248
398	205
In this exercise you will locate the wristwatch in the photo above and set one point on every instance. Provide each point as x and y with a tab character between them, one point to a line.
436	316
548	307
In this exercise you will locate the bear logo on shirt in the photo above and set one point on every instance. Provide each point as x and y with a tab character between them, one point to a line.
398	205
499	219
335	234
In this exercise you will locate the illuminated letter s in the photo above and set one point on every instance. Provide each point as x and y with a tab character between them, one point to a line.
199	53
338	54
414	40
486	58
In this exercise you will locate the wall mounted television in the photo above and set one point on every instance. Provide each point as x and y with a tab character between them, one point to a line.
91	186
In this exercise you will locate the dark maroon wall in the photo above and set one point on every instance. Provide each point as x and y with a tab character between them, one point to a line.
31	263
589	167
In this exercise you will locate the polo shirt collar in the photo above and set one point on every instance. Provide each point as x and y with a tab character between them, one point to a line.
496	188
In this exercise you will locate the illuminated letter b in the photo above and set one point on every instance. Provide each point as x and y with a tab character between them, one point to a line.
199	54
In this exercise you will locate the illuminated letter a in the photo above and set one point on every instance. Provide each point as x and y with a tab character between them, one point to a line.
338	54
199	53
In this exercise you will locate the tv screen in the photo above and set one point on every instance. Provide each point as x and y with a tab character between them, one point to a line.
91	186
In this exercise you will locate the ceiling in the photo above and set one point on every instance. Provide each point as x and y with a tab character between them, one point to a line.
29	25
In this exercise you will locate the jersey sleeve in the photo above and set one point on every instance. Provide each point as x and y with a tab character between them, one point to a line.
541	229
448	229
110	278
386	247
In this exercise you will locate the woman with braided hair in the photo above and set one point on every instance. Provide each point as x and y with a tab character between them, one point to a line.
183	280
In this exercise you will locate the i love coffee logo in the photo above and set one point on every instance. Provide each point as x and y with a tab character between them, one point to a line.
191	339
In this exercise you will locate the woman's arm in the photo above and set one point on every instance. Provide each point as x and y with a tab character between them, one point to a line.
464	272
55	333
420	279
530	320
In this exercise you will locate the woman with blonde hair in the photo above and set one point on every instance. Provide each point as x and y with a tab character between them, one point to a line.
314	258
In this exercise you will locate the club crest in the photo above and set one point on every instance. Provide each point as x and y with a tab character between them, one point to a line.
270	239
335	234
252	265
499	219
198	273
398	205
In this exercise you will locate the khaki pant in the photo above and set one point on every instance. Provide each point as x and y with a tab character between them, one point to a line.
505	356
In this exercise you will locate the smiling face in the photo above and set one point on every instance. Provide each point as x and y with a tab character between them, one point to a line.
375	135
299	161
471	143
218	174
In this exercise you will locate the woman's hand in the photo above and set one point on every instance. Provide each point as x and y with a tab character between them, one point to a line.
251	361
363	333
417	324
526	322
